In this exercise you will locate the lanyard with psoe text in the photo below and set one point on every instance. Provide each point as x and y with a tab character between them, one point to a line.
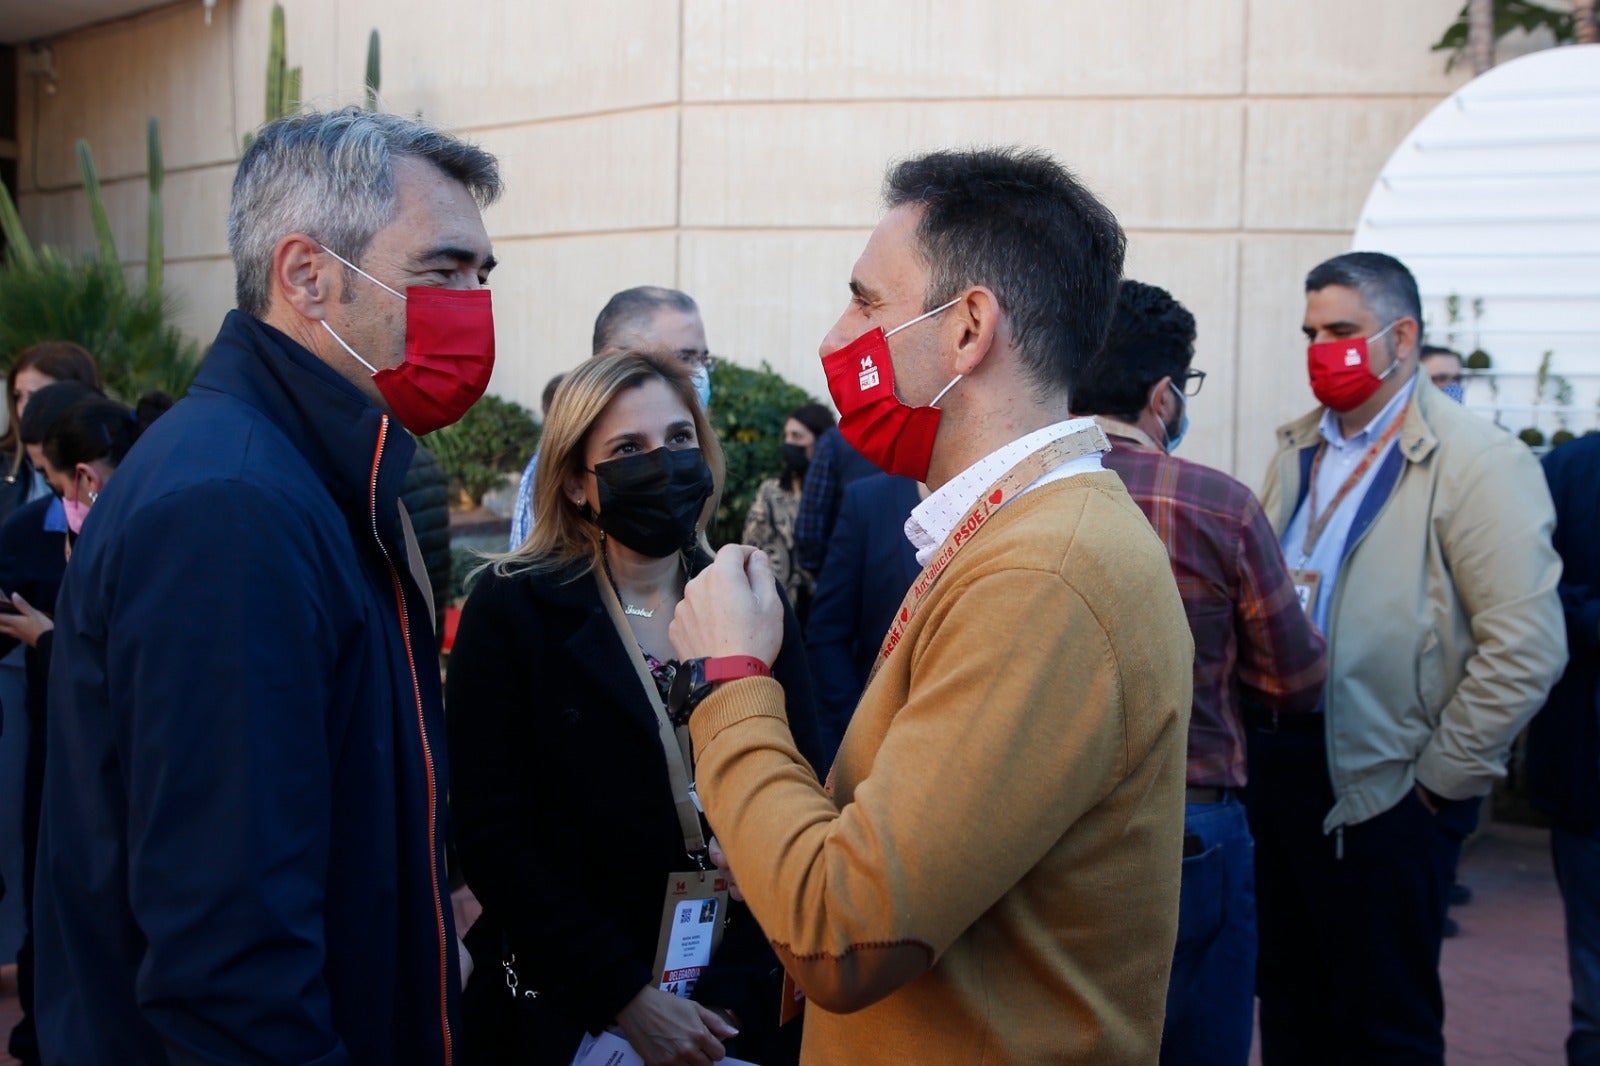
1317	520
1075	445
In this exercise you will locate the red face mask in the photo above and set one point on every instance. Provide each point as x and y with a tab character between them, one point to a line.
894	436
1340	376
449	354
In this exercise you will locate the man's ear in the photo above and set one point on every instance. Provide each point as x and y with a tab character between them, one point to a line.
979	315
1161	400
1407	338
304	277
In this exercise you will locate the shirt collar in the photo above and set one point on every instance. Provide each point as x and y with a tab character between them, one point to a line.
932	520
1329	427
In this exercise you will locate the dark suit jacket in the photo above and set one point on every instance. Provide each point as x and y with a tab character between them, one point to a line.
869	567
562	807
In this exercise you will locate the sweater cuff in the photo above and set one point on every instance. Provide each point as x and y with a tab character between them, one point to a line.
733	702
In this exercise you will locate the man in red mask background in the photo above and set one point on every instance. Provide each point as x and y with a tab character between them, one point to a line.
1419	538
992	871
242	853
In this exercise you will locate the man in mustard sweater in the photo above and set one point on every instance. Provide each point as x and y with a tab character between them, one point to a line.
991	873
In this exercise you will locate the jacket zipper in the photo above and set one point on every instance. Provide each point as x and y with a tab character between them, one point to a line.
427	750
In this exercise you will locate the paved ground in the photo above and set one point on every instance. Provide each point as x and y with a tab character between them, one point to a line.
1505	976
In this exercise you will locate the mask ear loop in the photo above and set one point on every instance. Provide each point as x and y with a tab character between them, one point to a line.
347	348
929	314
1395	361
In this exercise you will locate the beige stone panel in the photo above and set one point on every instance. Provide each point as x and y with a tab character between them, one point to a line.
1309	164
514	61
1202	273
194	202
311	42
771	296
1159	164
1358	46
109	81
608	172
547	293
203	292
850	49
1272	352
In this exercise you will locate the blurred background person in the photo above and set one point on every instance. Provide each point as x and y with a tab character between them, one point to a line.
1444	368
81	439
864	576
769	524
522	513
33	369
1563	761
835	464
566	805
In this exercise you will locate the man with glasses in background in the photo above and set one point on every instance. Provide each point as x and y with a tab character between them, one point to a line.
1252	644
646	318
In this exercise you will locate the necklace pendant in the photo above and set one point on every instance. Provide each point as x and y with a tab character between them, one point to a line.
637	612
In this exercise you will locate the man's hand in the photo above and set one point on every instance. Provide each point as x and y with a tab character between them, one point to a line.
720	860
732	608
668	1031
27	625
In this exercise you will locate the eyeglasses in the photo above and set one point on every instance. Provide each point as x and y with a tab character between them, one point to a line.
1189	382
696	359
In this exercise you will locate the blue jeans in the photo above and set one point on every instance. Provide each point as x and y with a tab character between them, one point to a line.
1577	860
1210	999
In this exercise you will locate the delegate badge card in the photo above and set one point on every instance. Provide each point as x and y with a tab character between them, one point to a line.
1306	583
691	928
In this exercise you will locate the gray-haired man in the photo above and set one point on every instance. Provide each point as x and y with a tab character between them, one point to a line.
242	852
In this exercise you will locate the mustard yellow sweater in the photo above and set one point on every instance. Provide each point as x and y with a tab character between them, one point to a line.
995	877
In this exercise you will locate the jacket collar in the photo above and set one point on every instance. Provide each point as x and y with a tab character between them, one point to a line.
1417	437
327	419
1115	427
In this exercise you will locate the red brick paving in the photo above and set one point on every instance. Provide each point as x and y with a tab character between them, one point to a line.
1505	976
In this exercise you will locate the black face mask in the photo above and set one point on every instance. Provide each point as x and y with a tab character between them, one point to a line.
651	502
795	459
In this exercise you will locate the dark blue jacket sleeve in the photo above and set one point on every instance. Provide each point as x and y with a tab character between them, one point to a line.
819	502
219	641
831	628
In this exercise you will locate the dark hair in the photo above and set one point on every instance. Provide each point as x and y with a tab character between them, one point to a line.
59	360
634	307
49	404
815	417
97	428
1151	337
1384	284
1435	349
1020	223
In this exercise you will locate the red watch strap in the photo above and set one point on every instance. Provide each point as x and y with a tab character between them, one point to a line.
733	667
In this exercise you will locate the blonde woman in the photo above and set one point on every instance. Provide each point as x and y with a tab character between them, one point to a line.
563	793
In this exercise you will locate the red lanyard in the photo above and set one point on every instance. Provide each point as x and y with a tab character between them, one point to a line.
1319	521
1075	445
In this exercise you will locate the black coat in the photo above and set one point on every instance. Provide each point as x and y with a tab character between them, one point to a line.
563	812
1564	738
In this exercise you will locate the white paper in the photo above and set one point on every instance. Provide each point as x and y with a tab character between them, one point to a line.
610	1049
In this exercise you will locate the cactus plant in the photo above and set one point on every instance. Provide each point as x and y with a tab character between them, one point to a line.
155	255
283	81
19	249
372	71
104	240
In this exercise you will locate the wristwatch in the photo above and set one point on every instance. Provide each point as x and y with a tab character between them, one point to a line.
697	677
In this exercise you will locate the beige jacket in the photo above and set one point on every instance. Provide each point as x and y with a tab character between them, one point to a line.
995	877
1445	630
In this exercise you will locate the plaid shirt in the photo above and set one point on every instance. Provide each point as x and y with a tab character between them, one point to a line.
1252	641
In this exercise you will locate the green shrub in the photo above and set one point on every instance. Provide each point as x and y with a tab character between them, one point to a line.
748	409
493	439
127	329
1533	437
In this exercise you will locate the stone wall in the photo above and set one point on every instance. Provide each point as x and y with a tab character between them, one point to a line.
734	148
